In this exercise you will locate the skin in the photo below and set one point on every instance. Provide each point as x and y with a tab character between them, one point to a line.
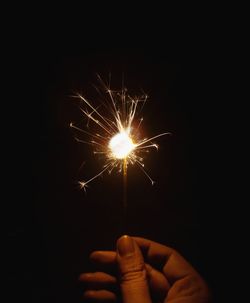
143	271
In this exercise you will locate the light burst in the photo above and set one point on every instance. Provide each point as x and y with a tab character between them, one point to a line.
115	130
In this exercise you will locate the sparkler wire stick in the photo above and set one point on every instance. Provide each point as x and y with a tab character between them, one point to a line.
125	180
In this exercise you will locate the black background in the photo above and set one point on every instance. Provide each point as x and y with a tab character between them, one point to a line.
54	226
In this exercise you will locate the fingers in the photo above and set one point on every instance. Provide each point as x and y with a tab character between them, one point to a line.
104	258
157	281
100	286
98	280
133	275
161	257
156	253
173	265
105	261
100	296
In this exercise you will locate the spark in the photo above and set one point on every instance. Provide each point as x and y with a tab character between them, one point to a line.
113	130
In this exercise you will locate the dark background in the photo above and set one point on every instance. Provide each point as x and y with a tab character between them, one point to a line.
54	226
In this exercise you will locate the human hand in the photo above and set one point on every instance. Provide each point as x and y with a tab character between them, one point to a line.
144	272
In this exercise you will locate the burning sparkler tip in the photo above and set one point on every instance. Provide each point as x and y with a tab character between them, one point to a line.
119	137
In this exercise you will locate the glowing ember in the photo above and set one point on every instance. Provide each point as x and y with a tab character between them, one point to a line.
121	145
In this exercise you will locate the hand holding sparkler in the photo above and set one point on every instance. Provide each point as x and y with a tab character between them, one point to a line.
147	272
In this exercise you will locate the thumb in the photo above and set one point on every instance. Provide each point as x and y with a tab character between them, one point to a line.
134	285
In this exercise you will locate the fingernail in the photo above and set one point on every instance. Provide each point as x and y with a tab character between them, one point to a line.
125	246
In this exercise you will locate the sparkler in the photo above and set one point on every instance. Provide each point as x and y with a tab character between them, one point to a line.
116	134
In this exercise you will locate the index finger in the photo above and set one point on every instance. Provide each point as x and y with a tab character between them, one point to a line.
173	265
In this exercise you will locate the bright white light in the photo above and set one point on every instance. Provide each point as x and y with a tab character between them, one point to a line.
121	145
